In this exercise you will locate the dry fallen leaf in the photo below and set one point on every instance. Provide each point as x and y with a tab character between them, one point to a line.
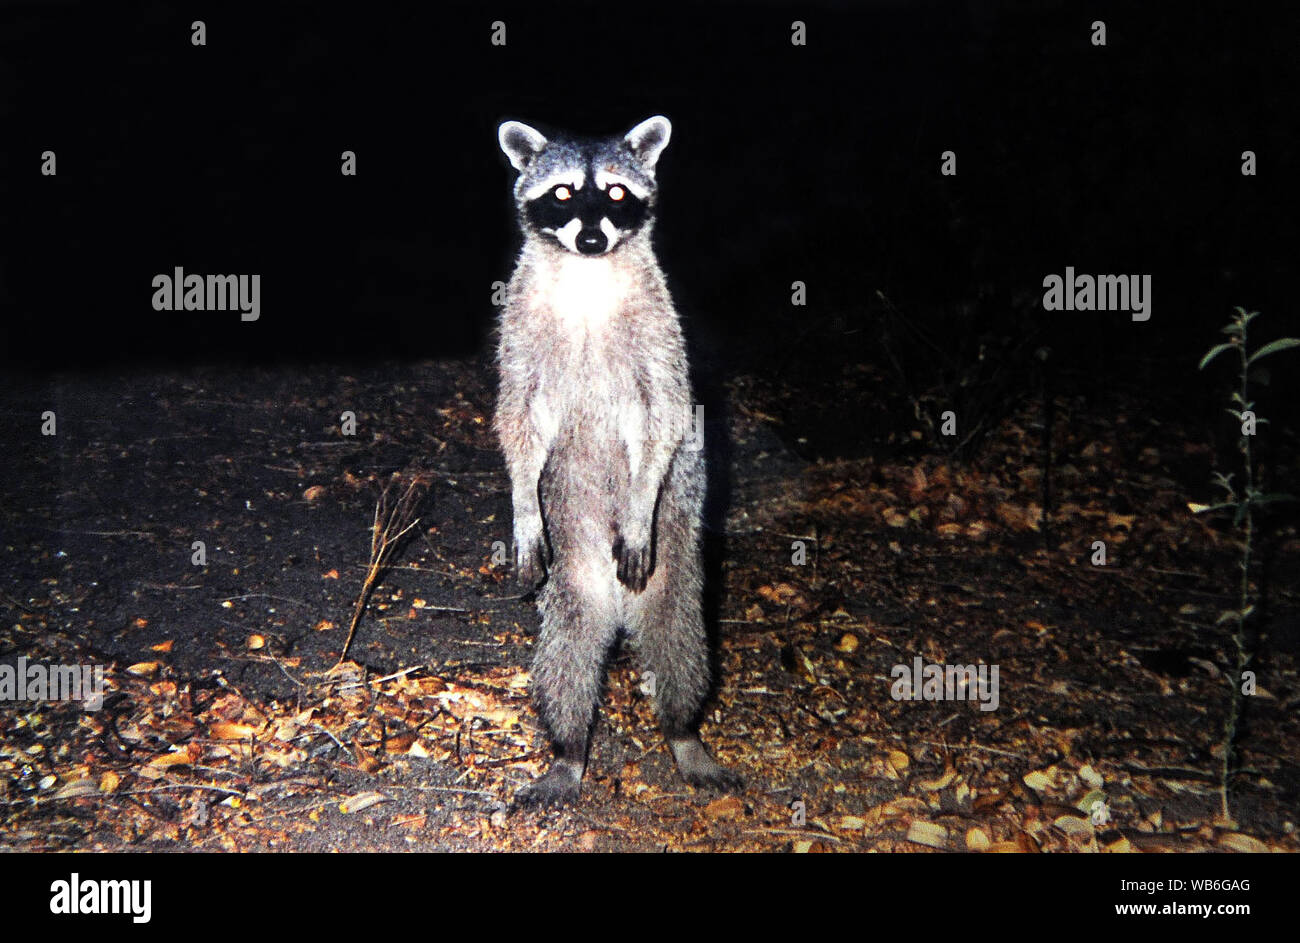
360	801
399	743
1236	841
1073	825
229	731
366	760
930	834
1090	776
725	808
285	731
82	787
903	805
934	785
1038	780
183	756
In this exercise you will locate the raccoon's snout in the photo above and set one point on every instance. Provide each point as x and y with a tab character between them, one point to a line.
591	242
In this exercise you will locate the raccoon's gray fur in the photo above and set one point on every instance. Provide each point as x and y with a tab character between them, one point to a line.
592	413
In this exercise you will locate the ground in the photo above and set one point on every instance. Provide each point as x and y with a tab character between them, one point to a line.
228	724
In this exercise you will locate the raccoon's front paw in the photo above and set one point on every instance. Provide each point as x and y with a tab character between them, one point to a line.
634	552
558	787
531	556
635	563
530	566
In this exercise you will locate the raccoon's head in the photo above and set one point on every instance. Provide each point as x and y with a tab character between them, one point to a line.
588	196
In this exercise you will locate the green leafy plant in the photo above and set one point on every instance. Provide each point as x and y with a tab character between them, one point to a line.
1243	502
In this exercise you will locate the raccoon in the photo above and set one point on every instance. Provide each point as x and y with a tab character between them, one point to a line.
592	415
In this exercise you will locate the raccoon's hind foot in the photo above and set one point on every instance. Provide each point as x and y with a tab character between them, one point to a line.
701	770
559	786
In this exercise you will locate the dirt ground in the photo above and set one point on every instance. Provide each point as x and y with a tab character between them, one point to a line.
225	727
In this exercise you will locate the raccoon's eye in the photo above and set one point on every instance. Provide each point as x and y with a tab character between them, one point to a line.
563	193
617	193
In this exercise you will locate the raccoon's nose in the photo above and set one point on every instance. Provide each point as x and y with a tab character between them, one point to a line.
591	242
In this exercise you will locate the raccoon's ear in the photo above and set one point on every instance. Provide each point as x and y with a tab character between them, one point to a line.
520	142
648	139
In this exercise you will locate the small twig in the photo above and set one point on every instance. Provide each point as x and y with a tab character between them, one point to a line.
395	675
109	796
975	746
145	792
15	603
284	671
101	533
453	789
331	736
390	525
288	599
802	833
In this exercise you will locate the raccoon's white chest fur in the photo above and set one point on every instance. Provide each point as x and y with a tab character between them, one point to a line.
586	293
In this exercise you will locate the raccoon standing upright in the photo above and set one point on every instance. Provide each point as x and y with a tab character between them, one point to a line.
592	415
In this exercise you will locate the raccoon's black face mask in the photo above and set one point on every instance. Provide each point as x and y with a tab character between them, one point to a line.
589	220
589	196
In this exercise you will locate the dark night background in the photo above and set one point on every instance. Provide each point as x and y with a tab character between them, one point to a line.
818	164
